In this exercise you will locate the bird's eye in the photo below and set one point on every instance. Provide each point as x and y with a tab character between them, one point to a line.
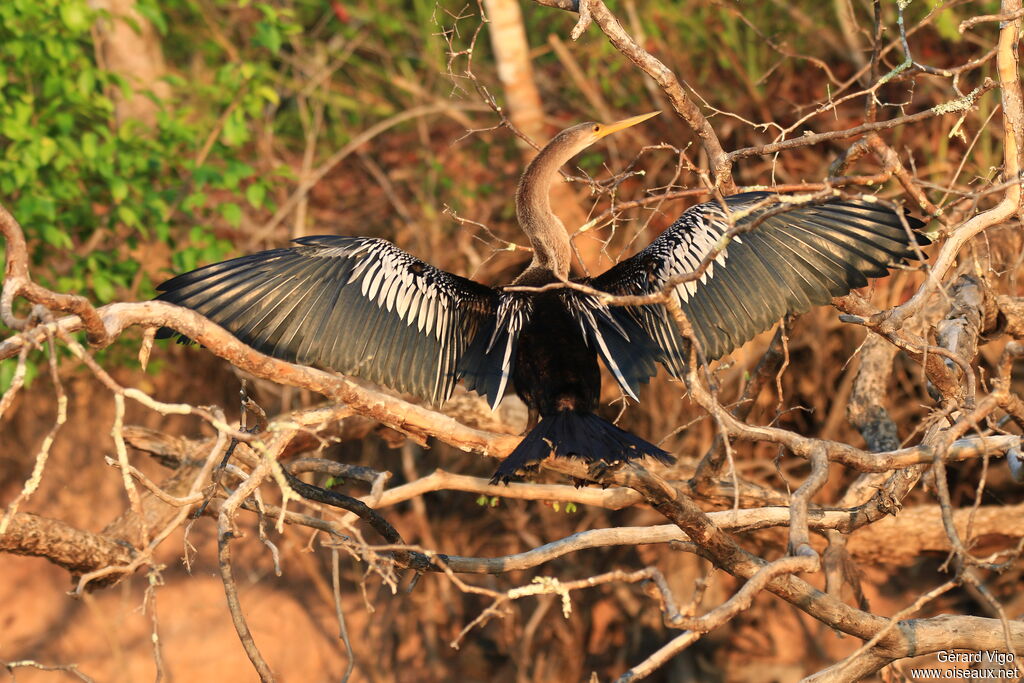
596	127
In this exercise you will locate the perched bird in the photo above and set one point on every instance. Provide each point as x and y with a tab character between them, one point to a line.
363	307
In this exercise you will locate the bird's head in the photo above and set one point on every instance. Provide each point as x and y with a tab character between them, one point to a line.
575	139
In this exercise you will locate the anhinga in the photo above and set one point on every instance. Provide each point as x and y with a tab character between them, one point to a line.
362	306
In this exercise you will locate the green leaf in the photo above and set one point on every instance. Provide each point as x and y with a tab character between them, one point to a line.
268	36
284	171
103	287
235	129
64	122
90	146
184	260
46	208
47	150
269	11
235	172
118	189
205	175
86	81
6	375
269	94
55	49
128	216
74	15
55	236
948	25
14	129
197	235
255	194
232	214
194	201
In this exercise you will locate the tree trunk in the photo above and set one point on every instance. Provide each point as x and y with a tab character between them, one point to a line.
128	45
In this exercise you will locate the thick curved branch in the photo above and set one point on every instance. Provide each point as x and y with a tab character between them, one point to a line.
73	549
422	422
18	283
912	638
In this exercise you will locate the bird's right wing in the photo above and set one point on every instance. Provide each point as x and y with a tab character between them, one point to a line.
357	305
788	262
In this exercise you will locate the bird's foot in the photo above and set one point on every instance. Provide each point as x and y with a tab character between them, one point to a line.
601	471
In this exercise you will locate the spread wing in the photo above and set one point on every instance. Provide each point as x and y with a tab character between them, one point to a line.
357	305
787	263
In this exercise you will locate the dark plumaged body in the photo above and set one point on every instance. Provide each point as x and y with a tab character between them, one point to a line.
553	377
550	377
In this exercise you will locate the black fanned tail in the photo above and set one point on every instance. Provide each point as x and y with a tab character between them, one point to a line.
572	434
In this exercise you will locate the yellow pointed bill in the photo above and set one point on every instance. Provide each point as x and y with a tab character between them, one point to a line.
610	128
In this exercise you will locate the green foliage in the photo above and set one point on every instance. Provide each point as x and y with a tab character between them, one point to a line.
7	371
92	190
947	25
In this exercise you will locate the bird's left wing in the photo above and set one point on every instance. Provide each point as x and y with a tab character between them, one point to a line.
357	305
788	262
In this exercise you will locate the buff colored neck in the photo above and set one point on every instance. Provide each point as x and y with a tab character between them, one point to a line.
545	231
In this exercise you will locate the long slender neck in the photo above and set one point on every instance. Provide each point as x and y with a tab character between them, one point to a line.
545	231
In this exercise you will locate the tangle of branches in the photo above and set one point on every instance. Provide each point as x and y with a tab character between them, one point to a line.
714	504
